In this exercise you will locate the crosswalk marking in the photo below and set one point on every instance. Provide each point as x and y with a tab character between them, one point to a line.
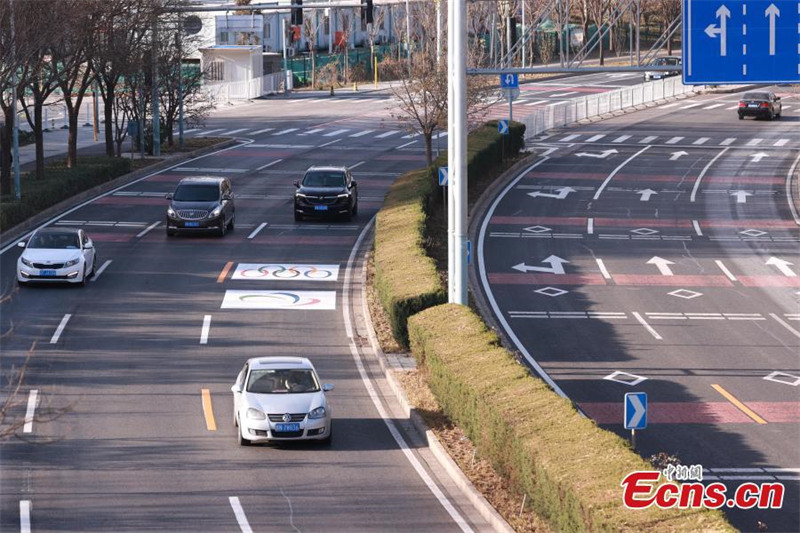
439	135
210	131
674	140
335	133
785	108
754	142
361	133
673	104
233	131
284	132
691	105
621	138
410	135
309	132
731	108
649	139
561	95
595	138
701	140
259	132
781	142
539	102
714	106
569	138
387	134
727	141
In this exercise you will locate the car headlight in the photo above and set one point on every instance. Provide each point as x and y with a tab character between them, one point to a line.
26	262
171	213
72	262
255	414
319	412
300	195
345	195
216	212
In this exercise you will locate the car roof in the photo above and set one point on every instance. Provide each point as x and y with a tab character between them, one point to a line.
327	167
279	362
51	229
202	180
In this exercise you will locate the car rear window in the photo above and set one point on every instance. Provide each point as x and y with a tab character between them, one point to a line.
282	381
324	179
196	193
755	96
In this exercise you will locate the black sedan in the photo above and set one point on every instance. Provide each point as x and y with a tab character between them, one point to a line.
760	104
326	192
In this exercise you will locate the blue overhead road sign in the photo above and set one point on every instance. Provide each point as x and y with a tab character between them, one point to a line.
502	127
509	81
635	410
750	41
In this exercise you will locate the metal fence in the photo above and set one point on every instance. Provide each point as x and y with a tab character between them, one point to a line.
564	113
246	90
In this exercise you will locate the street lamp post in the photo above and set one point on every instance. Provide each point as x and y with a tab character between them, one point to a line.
457	158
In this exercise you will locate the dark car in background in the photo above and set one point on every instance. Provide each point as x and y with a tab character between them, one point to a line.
760	104
326	192
201	204
668	61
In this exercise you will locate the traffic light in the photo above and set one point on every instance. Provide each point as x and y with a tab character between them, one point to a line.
297	13
366	12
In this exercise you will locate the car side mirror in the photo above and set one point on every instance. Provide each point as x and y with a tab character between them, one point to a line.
227	197
327	387
168	196
236	388
353	183
22	244
777	98
88	246
297	183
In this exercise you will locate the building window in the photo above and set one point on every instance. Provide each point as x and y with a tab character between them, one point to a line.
268	30
223	37
327	27
216	70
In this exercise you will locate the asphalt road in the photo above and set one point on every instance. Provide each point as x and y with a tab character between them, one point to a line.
657	252
139	449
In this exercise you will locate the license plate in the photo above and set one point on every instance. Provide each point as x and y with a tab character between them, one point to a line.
192	224
752	105
320	207
287	427
47	272
657	76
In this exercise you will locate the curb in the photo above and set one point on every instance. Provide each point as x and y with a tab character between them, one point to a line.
460	479
22	228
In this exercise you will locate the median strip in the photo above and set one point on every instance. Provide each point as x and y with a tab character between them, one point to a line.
739	405
208	410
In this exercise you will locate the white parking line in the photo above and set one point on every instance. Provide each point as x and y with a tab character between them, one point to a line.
33	396
147	230
647	326
387	134
262	167
205	330
100	270
24	516
725	270
255	231
361	133
60	329
241	518
259	132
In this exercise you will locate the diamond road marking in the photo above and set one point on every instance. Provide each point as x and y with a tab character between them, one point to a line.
551	291
753	232
625	378
538	229
644	231
685	293
783	377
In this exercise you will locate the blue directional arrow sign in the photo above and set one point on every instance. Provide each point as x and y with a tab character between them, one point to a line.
635	410
750	41
443	173
509	81
502	127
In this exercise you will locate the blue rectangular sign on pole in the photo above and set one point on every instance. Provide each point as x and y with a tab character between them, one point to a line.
635	410
727	42
509	81
502	127
443	174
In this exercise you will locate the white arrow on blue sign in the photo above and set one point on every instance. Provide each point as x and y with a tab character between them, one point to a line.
635	410
443	174
502	127
509	81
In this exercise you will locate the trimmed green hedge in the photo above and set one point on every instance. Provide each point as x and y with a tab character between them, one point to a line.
569	468
59	183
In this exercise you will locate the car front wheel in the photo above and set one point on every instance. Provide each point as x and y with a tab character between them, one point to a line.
242	441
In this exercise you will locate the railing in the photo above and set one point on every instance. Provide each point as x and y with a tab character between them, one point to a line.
246	90
563	113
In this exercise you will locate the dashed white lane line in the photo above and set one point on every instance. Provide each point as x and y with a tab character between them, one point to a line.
647	326
147	230
336	133
30	411
696	187
387	134
241	518
406	144
538	102
667	106
351	167
205	330
25	516
60	329
590	226
258	229
696	226
690	106
789	328
209	131
603	270
725	270
100	270
259	132
728	141
309	132
262	167
614	172
714	106
361	133
595	138
329	143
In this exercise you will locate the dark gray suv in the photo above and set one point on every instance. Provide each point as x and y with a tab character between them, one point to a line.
201	204
326	192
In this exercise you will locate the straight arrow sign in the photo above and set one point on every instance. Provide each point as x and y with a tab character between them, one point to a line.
556	266
783	266
601	155
758	157
646	194
772	12
562	193
678	155
741	196
662	265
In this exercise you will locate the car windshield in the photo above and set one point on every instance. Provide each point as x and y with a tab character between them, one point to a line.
61	241
282	381
662	61
196	193
755	96
324	179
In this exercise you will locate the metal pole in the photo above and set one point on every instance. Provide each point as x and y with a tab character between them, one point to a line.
638	52
459	157
509	59
156	118
14	118
283	44
96	110
451	136
510	109
560	40
630	34
141	117
493	25
569	41
633	439
524	36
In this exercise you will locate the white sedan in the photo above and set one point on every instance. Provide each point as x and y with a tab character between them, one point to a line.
280	399
57	254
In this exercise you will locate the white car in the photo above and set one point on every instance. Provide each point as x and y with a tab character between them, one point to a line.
56	255
280	399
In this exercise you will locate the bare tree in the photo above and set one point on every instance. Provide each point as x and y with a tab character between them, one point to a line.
311	25
667	11
599	10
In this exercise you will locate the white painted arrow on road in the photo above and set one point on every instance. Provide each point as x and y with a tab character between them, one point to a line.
741	196
678	155
556	266
758	157
783	266
662	265
562	193
772	12
601	155
646	194
723	13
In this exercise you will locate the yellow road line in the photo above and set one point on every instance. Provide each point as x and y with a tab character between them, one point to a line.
224	273
208	411
742	407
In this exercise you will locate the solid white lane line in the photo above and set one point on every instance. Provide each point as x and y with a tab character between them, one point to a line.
674	140
29	412
360	133
648	139
60	329
728	141
233	131
614	172
387	134
696	187
785	325
206	328
697	230
754	142
725	270
568	138
100	270
147	230
25	516
789	178
284	132
335	133
406	144
603	270
701	140
255	231
621	138
351	167
595	138
262	167
781	142
241	518
329	143
647	326
259	132
590	226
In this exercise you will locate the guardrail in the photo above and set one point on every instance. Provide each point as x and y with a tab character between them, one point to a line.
564	113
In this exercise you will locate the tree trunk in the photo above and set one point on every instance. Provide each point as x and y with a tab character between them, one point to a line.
108	111
38	135
428	147
313	66
5	151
